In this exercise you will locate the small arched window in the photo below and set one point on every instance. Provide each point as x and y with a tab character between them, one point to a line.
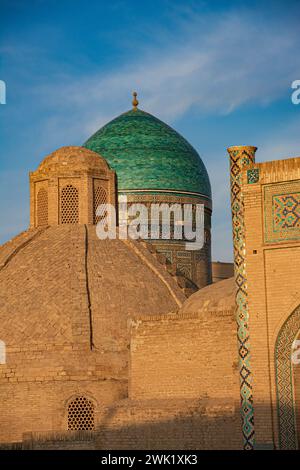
100	197
69	205
2	352
42	207
81	415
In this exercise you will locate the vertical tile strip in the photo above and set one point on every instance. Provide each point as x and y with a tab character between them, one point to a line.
241	157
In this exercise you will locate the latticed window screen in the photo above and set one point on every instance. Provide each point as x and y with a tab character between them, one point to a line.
69	205
100	197
81	415
42	207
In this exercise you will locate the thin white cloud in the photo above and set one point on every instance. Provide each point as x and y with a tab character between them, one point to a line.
212	64
215	68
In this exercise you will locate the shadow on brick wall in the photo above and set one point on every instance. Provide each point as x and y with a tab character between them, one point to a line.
139	427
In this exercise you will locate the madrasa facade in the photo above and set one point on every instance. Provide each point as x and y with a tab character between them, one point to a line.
127	344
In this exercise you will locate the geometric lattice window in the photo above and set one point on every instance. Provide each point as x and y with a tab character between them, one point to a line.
81	415
69	205
100	197
42	207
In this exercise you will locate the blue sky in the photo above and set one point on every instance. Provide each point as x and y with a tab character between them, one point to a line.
219	72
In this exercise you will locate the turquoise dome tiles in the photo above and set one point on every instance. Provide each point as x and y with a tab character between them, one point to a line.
149	155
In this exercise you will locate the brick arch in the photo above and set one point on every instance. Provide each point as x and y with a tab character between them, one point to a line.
284	381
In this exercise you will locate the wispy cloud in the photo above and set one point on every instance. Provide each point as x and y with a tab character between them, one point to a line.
210	64
216	68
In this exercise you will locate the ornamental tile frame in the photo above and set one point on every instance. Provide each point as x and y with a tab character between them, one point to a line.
240	158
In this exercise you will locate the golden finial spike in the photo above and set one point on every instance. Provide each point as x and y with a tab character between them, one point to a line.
135	101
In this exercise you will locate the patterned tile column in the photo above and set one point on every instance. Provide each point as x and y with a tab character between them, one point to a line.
240	157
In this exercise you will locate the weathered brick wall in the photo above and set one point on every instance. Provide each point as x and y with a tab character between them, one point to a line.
184	355
273	272
178	360
80	440
40	404
170	424
151	425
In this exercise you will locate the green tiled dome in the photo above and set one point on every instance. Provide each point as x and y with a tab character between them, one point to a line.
147	154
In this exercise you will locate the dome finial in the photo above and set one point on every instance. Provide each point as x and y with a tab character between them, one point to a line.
135	101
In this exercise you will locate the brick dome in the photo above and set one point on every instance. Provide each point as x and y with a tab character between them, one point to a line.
68	186
77	158
218	297
55	280
65	302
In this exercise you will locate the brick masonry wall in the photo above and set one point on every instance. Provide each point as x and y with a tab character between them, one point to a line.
170	424
184	356
41	405
149	424
273	271
184	371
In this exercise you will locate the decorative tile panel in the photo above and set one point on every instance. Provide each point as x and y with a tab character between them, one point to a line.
282	212
253	176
